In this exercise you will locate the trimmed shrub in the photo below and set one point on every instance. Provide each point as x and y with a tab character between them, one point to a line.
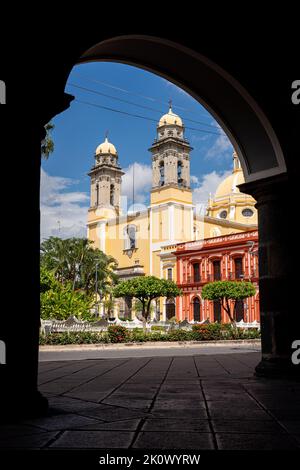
72	337
178	335
158	328
207	332
117	334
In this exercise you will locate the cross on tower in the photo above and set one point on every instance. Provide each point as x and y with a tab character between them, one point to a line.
170	105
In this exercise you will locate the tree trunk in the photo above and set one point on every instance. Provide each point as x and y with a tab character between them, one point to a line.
226	307
144	317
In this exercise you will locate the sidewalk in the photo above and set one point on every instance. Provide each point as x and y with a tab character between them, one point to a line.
147	349
173	402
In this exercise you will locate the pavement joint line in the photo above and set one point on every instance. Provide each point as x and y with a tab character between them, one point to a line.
215	443
128	378
85	367
97	376
53	439
223	367
272	416
136	434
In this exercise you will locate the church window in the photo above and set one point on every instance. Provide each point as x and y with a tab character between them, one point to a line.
130	237
247	212
162	174
97	194
112	195
223	214
170	276
179	173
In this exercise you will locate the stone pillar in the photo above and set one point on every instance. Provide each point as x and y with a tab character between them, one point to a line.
20	321
279	325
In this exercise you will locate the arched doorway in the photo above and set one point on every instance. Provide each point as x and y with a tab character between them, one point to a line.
261	157
217	311
196	309
239	310
252	134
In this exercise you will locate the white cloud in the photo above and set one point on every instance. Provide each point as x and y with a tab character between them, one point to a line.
220	149
194	179
142	182
208	184
63	214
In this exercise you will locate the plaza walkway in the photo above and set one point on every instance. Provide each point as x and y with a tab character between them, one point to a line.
170	402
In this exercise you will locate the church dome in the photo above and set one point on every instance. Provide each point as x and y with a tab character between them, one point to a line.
170	119
106	147
229	185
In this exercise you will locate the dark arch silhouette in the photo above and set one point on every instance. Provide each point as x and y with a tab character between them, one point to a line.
225	98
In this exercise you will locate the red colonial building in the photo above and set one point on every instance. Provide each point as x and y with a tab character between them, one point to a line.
228	257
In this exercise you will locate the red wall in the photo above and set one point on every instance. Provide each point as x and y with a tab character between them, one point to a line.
224	249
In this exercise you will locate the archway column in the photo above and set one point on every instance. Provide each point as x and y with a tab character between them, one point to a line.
278	324
20	325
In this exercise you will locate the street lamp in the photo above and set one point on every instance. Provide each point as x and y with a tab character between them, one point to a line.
251	245
96	288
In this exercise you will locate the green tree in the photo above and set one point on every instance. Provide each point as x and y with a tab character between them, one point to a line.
61	301
146	289
226	291
75	261
47	146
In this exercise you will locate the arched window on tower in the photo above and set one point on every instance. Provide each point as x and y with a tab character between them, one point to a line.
97	194
179	173
112	195
130	242
161	174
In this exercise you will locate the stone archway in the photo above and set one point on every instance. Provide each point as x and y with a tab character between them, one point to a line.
262	153
259	152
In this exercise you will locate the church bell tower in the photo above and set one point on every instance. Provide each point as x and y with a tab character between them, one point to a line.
170	161
106	176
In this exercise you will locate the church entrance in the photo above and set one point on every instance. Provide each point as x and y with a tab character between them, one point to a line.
196	309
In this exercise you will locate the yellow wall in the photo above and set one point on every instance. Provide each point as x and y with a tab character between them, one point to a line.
161	195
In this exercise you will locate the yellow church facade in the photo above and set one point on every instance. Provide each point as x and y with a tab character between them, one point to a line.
143	241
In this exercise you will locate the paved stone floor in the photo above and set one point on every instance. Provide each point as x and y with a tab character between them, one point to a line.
191	402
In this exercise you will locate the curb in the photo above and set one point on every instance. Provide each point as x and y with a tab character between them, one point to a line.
146	345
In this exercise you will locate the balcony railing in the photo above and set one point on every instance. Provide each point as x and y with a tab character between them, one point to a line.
191	280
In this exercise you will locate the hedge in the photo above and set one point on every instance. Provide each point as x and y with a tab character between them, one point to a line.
120	334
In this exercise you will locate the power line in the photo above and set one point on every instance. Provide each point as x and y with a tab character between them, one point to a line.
142	117
136	104
123	90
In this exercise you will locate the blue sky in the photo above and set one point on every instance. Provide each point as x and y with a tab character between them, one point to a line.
78	131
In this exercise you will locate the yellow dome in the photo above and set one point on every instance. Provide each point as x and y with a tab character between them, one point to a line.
170	119
229	185
106	147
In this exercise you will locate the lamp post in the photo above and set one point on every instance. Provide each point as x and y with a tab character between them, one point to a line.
96	288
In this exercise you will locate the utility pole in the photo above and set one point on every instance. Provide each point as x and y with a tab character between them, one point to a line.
96	290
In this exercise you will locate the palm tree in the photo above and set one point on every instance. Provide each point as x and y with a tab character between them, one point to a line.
75	260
